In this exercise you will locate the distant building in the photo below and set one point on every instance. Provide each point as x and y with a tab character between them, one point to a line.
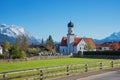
72	44
108	46
1	50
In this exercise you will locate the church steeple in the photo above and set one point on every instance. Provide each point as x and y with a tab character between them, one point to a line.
70	24
70	28
70	38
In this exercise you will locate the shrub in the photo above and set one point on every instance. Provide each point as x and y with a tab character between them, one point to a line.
1	56
102	53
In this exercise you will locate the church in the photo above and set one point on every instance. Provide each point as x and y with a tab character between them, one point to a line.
73	44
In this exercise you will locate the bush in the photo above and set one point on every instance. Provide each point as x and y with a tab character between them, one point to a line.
79	53
1	56
22	54
16	53
102	53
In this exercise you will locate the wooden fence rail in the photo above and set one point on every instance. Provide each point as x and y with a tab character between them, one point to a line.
57	71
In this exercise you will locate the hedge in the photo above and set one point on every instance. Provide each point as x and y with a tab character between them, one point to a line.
101	53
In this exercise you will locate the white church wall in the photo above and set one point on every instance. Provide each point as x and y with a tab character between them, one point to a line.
81	45
63	50
70	30
70	42
75	50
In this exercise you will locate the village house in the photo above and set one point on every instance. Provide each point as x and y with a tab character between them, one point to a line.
108	46
73	44
1	51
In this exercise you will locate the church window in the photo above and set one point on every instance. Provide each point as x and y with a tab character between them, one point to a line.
63	50
80	48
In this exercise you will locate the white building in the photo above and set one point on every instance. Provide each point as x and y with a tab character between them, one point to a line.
72	44
1	51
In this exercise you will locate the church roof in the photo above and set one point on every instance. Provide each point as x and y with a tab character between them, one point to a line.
64	41
89	41
70	24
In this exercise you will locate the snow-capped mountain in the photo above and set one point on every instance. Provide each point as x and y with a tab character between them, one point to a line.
114	37
10	33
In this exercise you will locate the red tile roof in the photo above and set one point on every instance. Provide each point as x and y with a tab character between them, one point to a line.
77	40
112	45
64	41
89	41
115	45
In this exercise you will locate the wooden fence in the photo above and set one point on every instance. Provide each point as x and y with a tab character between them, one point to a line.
35	58
57	71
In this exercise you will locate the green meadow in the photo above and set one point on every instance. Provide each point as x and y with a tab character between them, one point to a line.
12	66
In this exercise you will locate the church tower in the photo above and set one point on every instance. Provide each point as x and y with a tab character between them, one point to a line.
70	38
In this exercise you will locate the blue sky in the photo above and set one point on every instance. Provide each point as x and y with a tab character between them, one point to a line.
92	18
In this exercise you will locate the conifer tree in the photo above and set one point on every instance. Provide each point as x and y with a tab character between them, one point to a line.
42	42
50	41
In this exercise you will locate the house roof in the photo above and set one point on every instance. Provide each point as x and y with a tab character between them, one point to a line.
77	40
112	45
89	41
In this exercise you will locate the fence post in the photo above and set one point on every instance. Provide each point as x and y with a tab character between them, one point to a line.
112	64
41	75
5	76
86	67
67	69
101	65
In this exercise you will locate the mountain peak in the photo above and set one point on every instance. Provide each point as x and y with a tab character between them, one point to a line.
114	37
14	31
3	25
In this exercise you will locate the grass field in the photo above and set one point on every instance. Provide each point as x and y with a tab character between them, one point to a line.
11	66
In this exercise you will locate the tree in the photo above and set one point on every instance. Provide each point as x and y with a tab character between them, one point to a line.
18	42
16	53
89	47
22	54
21	43
6	46
25	44
50	41
20	47
42	42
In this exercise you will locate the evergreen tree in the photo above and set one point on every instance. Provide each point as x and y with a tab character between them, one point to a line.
50	42
42	42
